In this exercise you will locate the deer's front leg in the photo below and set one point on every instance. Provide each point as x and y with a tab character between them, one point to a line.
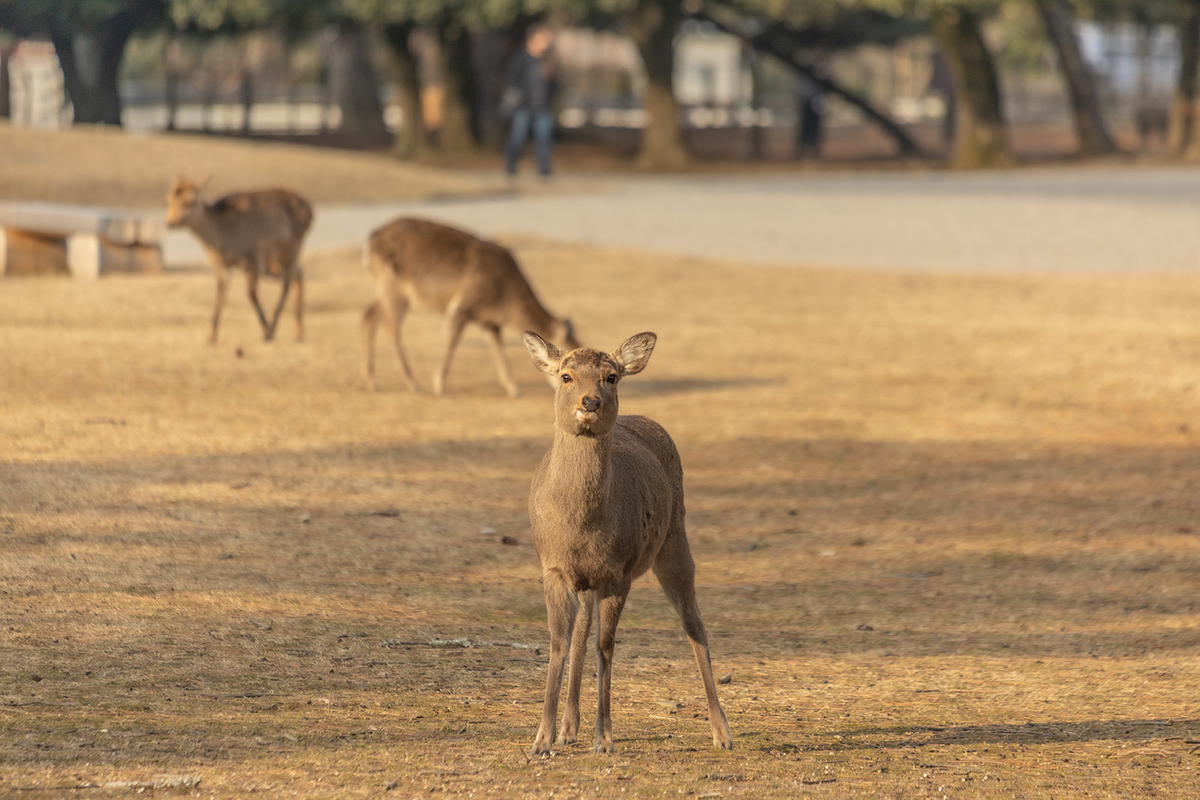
222	273
610	607
560	616
583	626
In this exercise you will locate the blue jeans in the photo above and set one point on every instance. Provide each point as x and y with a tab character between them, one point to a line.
543	130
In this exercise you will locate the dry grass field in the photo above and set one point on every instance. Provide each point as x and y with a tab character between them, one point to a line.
94	165
947	533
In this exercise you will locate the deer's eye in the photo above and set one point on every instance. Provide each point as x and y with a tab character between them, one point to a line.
612	378
566	378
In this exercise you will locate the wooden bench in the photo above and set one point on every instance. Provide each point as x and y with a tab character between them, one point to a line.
81	241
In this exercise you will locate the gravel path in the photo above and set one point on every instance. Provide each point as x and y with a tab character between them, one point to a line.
1108	220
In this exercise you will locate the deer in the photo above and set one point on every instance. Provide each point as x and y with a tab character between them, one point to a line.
259	231
605	505
424	264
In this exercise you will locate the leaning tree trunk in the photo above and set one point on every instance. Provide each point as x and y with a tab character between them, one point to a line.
92	87
653	26
409	142
1090	129
981	139
776	42
1181	136
353	84
6	49
457	133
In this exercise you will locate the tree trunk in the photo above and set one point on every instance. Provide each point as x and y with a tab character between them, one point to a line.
353	84
1181	135
458	132
1092	133
91	62
409	141
653	26
246	97
6	49
981	139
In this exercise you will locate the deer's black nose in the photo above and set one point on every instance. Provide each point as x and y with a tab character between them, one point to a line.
591	403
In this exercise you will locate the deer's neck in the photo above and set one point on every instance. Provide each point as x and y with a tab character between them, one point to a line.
580	473
204	225
538	319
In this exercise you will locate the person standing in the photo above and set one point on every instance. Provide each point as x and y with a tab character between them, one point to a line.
528	97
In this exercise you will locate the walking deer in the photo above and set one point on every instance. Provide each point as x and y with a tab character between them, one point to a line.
260	231
417	263
606	504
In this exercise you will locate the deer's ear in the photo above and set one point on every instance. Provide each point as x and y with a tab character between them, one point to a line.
634	354
545	355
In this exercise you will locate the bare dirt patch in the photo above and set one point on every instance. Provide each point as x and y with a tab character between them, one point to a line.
102	166
947	533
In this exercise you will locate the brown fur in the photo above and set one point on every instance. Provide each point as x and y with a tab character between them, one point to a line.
606	504
427	265
259	231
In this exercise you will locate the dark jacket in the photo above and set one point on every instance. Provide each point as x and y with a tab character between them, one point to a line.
528	84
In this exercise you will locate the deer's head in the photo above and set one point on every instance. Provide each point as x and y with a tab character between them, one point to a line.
183	199
585	397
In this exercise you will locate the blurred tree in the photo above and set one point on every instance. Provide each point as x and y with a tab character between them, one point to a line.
7	44
981	138
789	37
1182	136
653	25
89	37
343	37
1059	18
353	84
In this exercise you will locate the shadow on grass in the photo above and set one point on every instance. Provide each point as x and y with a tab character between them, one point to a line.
1030	733
645	387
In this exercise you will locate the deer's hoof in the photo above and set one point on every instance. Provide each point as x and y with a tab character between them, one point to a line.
565	738
539	750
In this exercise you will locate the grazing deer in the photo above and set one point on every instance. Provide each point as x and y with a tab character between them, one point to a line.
606	504
427	265
259	231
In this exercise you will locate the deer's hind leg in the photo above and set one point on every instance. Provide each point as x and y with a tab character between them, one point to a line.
391	311
676	573
299	303
252	273
287	270
583	626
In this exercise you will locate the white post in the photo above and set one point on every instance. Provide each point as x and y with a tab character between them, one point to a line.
83	255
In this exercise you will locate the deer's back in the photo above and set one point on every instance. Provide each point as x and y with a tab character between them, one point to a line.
270	218
437	267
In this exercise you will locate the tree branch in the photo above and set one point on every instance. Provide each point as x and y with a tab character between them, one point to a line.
775	41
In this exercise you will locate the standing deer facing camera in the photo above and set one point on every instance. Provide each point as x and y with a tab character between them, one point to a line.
427	265
606	504
258	231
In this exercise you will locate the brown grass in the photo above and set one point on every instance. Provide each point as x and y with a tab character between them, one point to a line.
947	533
102	166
